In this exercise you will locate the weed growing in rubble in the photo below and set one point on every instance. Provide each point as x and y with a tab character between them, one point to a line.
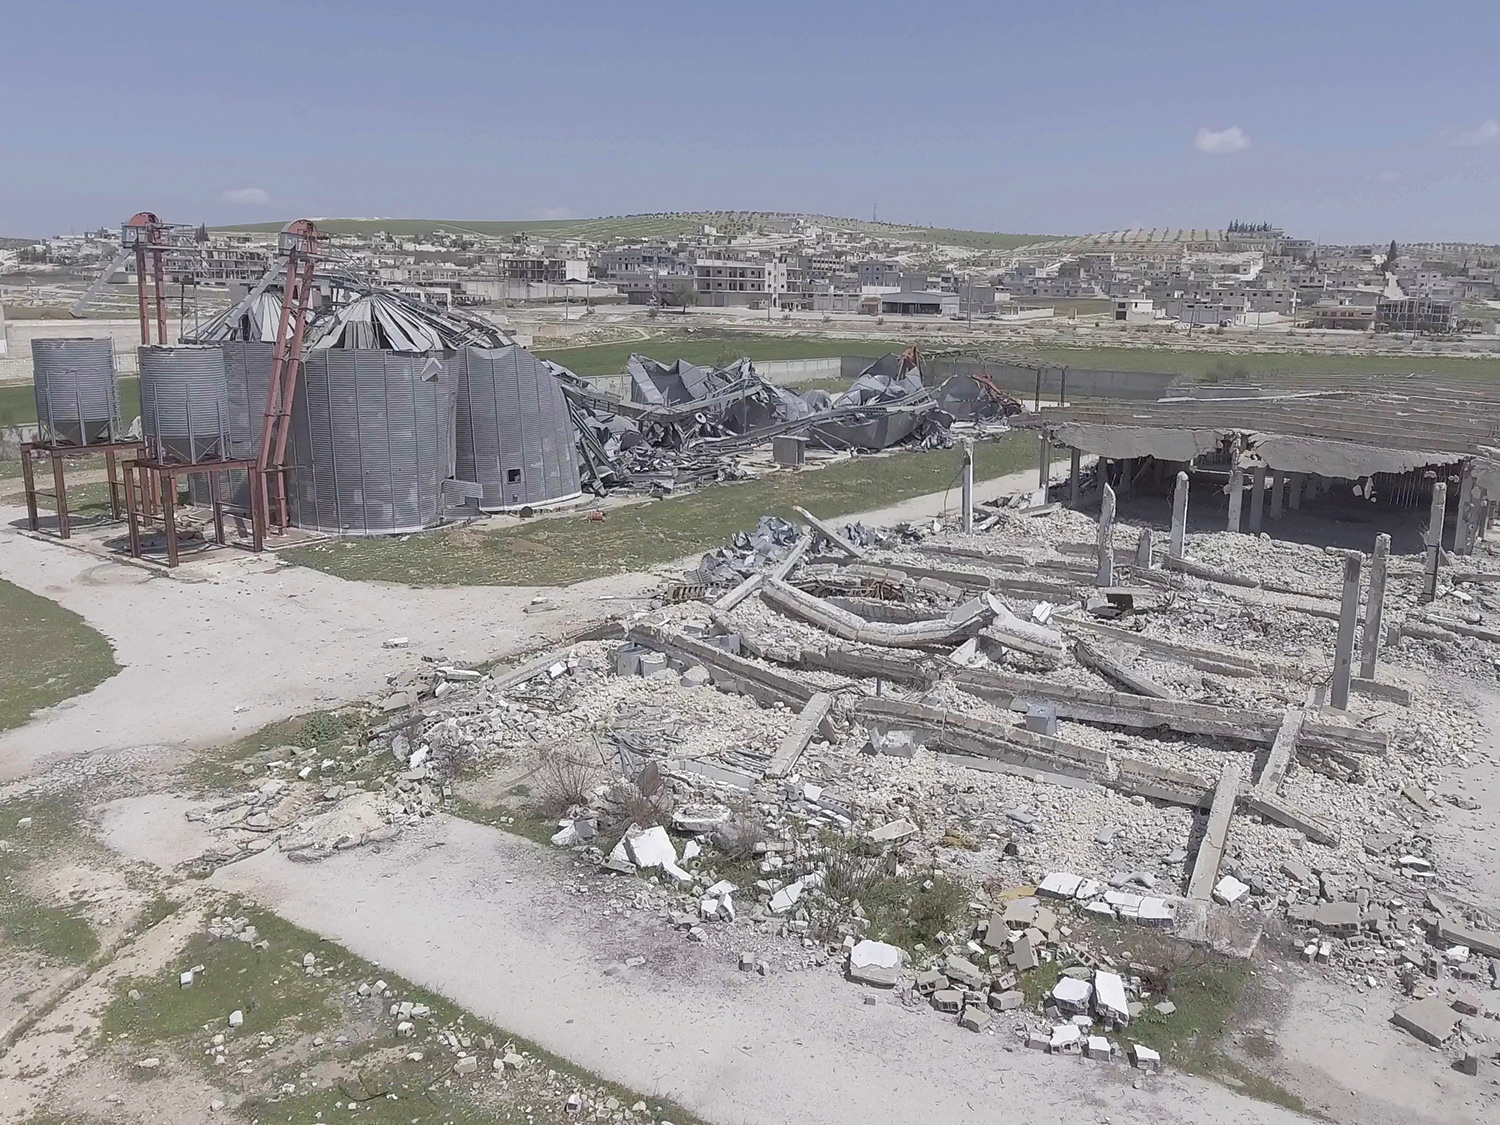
903	906
563	781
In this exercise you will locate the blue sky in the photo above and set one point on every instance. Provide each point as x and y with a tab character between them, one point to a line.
1341	121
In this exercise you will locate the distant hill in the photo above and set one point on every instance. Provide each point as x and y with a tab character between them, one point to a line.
667	225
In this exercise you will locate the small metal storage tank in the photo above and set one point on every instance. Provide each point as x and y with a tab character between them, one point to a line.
514	437
77	394
185	402
371	442
247	370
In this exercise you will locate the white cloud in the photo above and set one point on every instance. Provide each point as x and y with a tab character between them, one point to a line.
1389	177
1485	133
246	197
1221	142
552	213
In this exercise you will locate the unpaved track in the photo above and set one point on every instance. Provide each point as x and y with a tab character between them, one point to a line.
487	920
238	641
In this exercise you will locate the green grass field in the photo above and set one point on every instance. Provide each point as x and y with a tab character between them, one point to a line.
18	402
706	348
52	655
1250	364
557	552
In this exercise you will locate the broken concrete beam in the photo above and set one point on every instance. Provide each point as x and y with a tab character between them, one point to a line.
833	538
1463	629
527	669
788	564
1456	933
988	558
1272	806
1110	669
814	715
739	593
1376	689
1141	712
1282	749
890	665
1208	573
756	679
1095	763
1217	661
1161	783
1215	835
851	627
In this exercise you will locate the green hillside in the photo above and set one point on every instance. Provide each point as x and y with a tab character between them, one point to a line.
677	224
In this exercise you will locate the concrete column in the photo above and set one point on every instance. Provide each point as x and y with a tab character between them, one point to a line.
1044	463
1257	496
1236	486
1466	527
1179	516
1106	572
1434	540
1278	496
1127	476
1294	495
1143	550
1075	478
1369	641
1101	470
1343	646
968	486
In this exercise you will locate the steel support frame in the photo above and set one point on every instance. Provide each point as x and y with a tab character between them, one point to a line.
33	451
160	478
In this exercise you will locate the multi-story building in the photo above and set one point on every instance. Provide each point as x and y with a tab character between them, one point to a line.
1419	315
727	281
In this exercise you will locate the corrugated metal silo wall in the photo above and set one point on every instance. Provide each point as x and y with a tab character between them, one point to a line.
247	370
514	436
77	395
372	442
185	402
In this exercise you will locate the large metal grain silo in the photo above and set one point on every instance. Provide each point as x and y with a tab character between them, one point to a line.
371	442
513	436
185	402
247	371
77	394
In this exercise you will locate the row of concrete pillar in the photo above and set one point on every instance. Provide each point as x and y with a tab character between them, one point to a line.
1273	494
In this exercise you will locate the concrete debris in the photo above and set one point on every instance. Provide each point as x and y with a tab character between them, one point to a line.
875	962
1431	1020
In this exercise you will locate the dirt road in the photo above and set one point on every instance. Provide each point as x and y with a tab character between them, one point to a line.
494	922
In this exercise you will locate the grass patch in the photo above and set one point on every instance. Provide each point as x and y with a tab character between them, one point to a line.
18	402
717	349
316	735
523	820
61	934
1233	366
361	1058
52	655
551	552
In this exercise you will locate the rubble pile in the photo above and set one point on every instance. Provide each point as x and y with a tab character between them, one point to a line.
966	750
686	425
